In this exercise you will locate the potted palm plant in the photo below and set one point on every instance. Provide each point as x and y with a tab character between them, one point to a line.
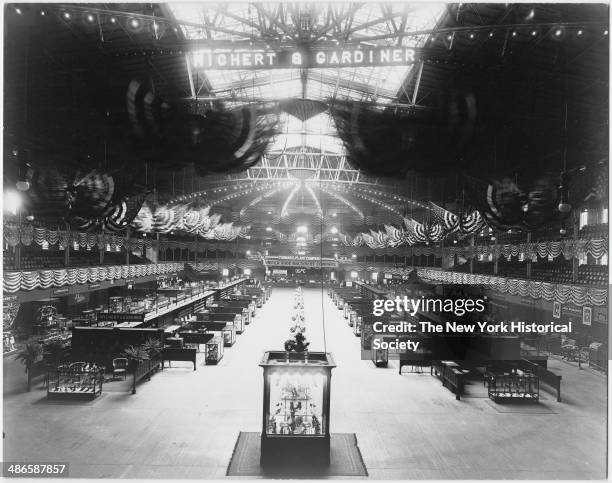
28	356
152	346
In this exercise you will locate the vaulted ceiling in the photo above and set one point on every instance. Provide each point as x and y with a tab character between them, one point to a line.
539	73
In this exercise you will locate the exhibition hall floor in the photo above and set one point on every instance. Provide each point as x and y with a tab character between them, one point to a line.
184	424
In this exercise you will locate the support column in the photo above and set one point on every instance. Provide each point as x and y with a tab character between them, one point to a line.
127	250
576	235
472	244
496	259
67	248
529	259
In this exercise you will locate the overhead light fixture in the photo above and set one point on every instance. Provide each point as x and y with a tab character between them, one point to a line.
471	36
89	17
18	11
42	12
66	15
334	230
113	20
248	252
580	32
134	23
490	34
268	228
531	15
514	33
353	256
23	185
605	32
534	33
302	229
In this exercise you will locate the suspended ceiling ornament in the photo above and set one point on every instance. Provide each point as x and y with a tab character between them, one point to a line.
221	140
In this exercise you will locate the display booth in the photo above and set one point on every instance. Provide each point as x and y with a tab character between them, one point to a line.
214	350
296	407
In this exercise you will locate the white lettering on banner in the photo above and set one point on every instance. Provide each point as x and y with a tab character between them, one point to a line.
232	59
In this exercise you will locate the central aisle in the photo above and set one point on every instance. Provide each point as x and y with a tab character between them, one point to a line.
184	423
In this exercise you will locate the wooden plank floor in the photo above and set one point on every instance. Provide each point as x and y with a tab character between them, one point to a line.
184	424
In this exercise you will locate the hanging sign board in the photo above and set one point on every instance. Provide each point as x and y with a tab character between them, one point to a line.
286	59
119	317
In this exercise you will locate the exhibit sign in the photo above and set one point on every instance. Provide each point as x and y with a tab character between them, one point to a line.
119	317
245	59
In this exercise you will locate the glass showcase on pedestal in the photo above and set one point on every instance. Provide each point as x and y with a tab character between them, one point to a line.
296	406
214	350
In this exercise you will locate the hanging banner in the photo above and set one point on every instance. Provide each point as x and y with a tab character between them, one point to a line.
307	262
316	58
119	317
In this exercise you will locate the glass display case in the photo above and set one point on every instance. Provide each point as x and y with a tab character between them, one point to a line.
357	320
224	329
296	406
516	385
229	334
380	357
214	350
80	379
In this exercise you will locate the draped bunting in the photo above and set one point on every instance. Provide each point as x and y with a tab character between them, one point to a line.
567	248
44	279
182	218
578	295
13	235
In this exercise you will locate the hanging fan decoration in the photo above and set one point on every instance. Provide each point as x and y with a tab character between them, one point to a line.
89	195
392	142
214	138
143	221
182	218
124	212
47	195
525	203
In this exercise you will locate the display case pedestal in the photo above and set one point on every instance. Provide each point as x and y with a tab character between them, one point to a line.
296	408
